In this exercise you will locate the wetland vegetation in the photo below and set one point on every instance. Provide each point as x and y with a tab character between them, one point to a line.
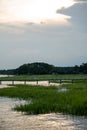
51	77
49	99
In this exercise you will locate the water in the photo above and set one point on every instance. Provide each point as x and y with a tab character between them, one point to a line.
62	90
6	75
42	83
12	120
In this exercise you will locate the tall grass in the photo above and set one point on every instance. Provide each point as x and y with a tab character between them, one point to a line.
49	99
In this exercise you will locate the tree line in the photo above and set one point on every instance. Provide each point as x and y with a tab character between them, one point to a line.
44	68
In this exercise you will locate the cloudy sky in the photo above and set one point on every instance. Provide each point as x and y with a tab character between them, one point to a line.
52	31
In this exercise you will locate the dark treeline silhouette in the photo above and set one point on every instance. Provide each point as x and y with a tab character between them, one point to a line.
44	68
35	68
8	72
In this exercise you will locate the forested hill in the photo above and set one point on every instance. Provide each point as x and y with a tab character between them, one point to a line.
44	68
35	68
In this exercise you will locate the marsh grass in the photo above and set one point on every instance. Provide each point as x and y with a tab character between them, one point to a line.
43	77
49	99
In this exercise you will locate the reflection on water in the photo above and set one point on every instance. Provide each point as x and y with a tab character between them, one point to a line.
12	120
62	90
43	83
6	75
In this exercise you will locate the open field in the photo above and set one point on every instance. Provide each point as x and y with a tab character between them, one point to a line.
66	99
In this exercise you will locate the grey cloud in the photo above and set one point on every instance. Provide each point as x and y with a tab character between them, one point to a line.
80	0
7	25
29	23
52	45
16	28
78	13
58	45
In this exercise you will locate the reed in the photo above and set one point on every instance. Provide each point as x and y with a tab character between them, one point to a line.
49	99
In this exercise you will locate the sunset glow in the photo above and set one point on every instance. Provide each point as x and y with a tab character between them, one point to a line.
34	11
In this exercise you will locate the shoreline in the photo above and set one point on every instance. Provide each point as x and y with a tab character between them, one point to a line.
12	120
43	83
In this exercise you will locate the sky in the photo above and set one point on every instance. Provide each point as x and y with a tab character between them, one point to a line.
53	32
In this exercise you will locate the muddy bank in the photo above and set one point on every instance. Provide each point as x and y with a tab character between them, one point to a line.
12	120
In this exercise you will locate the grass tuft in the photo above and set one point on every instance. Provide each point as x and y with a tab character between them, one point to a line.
49	99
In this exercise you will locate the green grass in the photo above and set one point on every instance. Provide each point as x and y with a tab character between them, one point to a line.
49	99
44	77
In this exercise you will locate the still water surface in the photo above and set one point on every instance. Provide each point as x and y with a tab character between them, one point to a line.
12	120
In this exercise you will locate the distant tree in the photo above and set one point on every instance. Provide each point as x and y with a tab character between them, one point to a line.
83	68
44	68
8	72
22	69
76	69
35	68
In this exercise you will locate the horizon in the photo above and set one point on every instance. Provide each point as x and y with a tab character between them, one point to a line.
45	63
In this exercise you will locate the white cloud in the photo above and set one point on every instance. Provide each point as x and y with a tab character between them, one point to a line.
34	11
